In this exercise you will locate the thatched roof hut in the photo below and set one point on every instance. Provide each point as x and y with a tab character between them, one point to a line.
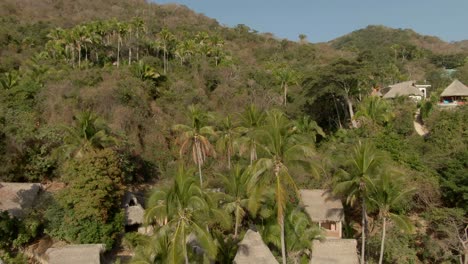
334	251
456	88
134	212
321	205
15	197
76	254
252	250
403	89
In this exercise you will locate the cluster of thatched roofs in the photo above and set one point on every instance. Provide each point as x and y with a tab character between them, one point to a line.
15	198
403	89
320	205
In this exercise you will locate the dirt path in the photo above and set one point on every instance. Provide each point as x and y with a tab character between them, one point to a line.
418	126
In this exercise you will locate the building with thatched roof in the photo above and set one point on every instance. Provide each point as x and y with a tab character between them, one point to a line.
404	89
324	209
75	254
252	250
334	251
16	197
455	94
134	212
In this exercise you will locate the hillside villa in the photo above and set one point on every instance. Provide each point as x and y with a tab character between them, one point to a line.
455	94
325	210
408	88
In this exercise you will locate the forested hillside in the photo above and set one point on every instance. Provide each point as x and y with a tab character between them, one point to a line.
218	128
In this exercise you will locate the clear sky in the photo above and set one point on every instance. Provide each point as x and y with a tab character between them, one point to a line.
324	20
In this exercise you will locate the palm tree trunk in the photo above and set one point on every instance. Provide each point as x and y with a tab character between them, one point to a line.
237	222
285	93
382	244
283	245
199	160
129	55
118	50
363	234
229	157
79	56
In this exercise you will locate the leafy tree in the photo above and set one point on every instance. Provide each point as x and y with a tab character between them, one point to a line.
282	148
88	209
194	137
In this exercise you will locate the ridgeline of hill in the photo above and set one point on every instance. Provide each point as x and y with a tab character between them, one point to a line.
109	95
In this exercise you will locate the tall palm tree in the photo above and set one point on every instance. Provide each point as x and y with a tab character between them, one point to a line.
241	198
364	167
388	193
185	209
251	120
286	77
194	138
282	149
227	138
165	37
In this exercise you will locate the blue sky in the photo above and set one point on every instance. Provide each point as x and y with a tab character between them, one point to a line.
324	20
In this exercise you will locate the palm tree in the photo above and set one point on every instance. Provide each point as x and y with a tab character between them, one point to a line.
300	233
240	196
308	127
282	148
227	140
375	109
363	169
251	120
194	138
165	37
389	193
185	209
89	133
286	77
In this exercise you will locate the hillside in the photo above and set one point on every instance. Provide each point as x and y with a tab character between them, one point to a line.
101	98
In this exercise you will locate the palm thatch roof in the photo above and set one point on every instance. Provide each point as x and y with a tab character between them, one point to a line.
15	197
134	212
252	250
321	205
403	89
334	251
456	88
76	254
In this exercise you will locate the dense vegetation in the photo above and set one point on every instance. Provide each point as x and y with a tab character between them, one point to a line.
225	124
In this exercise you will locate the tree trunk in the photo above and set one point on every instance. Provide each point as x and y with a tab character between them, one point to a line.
337	112
363	232
285	93
199	160
351	111
382	244
79	56
118	51
229	157
237	222
283	245
129	55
